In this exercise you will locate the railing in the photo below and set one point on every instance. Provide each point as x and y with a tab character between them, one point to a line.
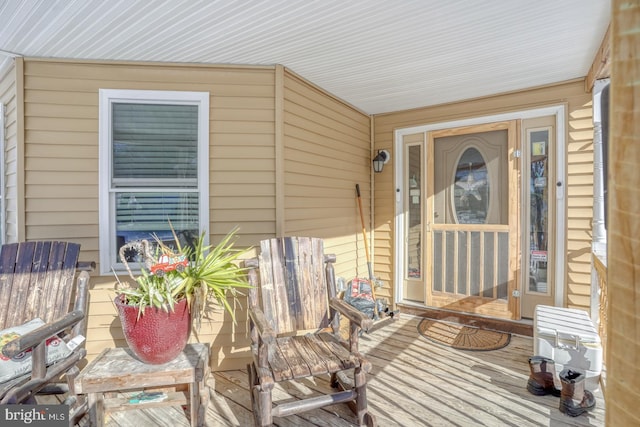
471	260
600	267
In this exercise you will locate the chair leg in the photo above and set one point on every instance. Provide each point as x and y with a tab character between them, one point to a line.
79	406
364	417
334	380
260	399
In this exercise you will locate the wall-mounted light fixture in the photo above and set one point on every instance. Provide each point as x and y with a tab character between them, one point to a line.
380	160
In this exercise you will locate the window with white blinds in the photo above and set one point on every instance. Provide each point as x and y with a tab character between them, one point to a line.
154	167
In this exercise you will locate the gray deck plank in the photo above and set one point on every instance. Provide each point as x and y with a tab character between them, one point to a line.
414	382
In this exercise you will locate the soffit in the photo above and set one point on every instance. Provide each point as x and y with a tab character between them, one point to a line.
377	55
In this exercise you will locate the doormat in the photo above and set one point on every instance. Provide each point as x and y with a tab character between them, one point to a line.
462	337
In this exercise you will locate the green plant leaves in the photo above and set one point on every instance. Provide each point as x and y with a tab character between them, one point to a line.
213	274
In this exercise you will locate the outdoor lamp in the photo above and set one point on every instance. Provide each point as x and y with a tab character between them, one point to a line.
380	159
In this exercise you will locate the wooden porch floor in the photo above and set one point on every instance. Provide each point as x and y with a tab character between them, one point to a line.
414	382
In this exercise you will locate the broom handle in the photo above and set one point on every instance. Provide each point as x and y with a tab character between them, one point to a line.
366	250
364	232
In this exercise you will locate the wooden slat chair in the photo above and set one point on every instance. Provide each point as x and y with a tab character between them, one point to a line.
37	280
294	290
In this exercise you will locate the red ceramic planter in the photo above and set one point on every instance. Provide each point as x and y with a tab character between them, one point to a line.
158	336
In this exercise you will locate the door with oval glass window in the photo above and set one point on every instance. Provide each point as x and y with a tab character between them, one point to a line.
472	219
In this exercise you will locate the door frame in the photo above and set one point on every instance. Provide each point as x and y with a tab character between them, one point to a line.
559	112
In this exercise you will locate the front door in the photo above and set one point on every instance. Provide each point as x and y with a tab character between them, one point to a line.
471	219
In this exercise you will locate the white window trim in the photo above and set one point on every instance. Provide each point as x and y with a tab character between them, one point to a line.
106	208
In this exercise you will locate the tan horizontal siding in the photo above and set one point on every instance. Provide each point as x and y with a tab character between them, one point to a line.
68	231
349	251
316	167
231	190
239	203
46	205
326	148
153	72
61	162
325	107
323	134
61	92
86	152
230	216
250	127
59	218
64	138
239	177
579	169
582	190
220	104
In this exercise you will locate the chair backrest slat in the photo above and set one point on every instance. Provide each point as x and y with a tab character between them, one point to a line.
293	283
36	280
270	275
7	267
293	286
38	277
320	285
65	275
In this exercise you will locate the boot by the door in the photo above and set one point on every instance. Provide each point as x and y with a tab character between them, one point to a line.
541	379
574	399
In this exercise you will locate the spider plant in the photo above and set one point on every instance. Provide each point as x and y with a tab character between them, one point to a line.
151	291
212	274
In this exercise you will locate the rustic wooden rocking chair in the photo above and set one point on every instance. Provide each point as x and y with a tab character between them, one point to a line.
294	290
37	281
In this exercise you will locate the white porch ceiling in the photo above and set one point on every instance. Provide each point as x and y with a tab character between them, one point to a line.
378	55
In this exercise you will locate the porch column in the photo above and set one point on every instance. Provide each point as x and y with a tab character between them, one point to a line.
623	330
599	233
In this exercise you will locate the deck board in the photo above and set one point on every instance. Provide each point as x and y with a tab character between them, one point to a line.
414	382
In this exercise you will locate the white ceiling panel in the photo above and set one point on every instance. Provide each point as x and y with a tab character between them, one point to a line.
378	55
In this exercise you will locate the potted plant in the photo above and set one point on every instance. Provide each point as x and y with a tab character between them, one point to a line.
174	291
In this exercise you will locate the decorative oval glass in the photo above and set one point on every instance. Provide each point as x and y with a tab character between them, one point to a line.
471	188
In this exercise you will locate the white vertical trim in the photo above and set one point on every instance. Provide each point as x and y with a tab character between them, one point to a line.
372	192
399	223
3	193
203	163
104	168
279	147
106	212
561	205
599	233
599	244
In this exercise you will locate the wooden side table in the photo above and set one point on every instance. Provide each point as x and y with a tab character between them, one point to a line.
118	370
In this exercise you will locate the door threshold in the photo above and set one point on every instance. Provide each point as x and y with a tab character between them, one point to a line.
519	327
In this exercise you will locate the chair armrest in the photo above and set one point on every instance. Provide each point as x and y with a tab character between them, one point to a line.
351	313
265	331
37	336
